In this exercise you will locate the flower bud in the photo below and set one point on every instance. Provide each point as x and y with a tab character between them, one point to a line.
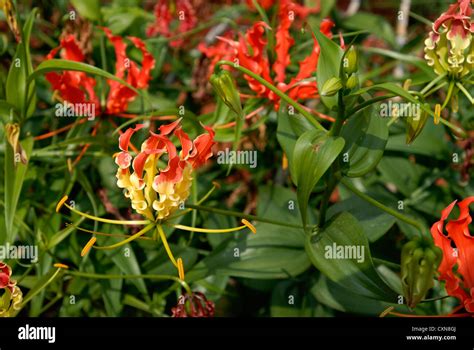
331	87
415	124
350	63
224	86
419	262
352	82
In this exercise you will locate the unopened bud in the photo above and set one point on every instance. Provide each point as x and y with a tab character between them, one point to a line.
224	86
331	87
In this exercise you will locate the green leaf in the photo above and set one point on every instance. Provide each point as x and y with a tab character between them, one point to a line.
343	299
328	64
8	112
89	9
60	65
274	252
374	24
63	234
313	154
366	135
127	263
41	284
14	177
292	300
112	293
374	221
357	272
290	128
19	92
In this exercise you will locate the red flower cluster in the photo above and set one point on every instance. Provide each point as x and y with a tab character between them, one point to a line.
457	266
77	87
250	51
165	16
194	305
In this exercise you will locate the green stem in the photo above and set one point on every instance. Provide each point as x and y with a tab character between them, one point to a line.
241	215
367	103
432	83
333	180
381	206
274	89
112	276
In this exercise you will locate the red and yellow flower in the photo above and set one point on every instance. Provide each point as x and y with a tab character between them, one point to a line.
151	188
457	265
448	48
12	296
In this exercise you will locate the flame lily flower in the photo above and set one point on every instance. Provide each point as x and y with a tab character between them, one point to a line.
193	305
448	48
164	13
456	267
250	51
12	297
77	87
157	191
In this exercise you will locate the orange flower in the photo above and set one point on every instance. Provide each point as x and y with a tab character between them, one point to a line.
457	266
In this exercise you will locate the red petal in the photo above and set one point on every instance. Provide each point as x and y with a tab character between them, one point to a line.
202	148
186	143
284	41
124	139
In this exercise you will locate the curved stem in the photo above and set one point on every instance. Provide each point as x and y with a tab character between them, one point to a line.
166	245
129	239
108	221
381	206
242	216
111	276
274	89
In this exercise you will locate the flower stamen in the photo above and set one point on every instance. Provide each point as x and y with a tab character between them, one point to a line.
88	246
127	240
181	269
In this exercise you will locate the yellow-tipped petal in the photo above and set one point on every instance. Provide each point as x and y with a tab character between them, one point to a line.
88	246
249	225
437	113
61	203
180	269
61	266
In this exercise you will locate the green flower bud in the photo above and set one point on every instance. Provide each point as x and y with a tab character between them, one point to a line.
419	262
415	125
224	87
352	82
331	87
350	61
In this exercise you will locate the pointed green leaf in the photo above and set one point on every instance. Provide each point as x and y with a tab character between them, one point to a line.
313	154
366	135
328	65
341	252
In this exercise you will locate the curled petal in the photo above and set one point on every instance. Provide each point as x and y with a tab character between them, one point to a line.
124	139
